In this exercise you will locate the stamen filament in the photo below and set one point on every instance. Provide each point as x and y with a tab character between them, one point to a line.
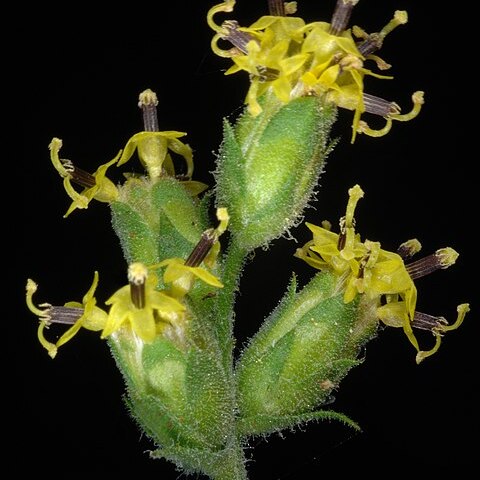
346	237
374	41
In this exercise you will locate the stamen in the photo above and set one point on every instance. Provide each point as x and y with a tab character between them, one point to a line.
68	170
201	249
342	237
235	36
267	74
223	217
381	64
148	102
137	275
64	315
326	225
409	248
367	262
341	16
290	8
276	8
379	106
77	175
346	238
374	41
441	259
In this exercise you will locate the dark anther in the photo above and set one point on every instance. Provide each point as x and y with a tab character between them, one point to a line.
201	249
235	36
77	175
379	106
65	315
276	8
137	294
341	16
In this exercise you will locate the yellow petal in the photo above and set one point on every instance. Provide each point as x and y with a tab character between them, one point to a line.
143	324
207	277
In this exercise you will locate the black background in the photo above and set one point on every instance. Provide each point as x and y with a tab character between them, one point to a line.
80	69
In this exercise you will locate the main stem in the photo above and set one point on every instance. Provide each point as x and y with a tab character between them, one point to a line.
231	269
233	467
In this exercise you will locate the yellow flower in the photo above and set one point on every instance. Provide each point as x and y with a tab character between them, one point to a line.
96	185
181	274
155	148
290	58
268	58
140	307
78	315
152	149
363	268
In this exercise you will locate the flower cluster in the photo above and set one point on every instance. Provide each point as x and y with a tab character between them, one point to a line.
140	307
283	54
153	147
383	277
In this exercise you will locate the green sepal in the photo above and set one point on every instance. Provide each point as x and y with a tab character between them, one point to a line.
208	396
138	239
267	424
160	424
177	388
180	208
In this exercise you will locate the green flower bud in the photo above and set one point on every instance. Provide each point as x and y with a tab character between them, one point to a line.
157	219
177	390
269	165
301	353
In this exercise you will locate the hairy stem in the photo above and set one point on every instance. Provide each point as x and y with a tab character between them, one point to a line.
232	267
